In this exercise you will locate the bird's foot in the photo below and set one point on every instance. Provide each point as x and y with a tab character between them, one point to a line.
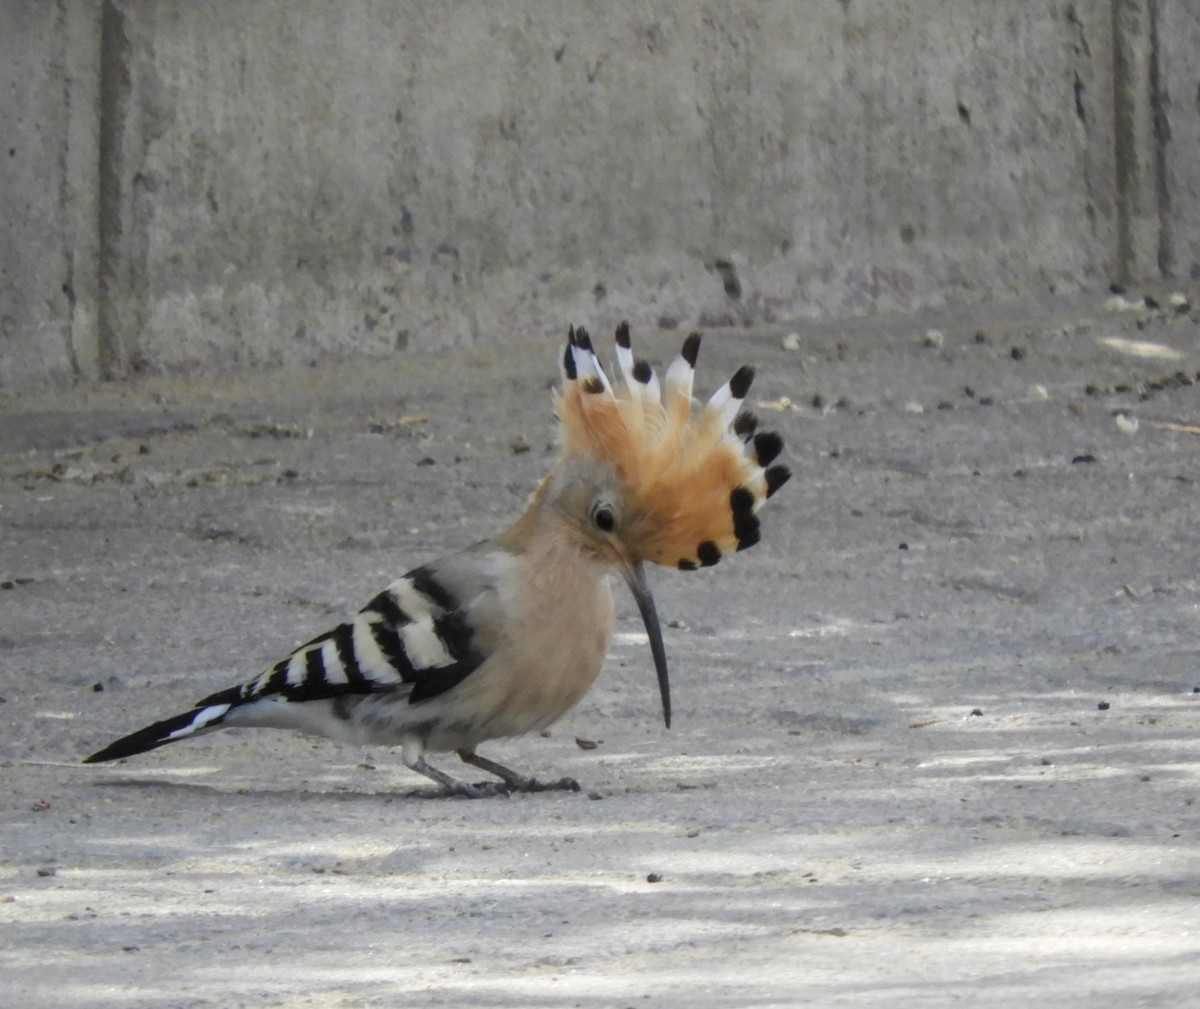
480	790
464	790
517	782
451	786
508	787
497	789
533	785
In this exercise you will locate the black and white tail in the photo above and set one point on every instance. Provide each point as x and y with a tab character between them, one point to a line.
205	717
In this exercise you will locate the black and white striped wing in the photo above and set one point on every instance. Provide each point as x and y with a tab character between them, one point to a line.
412	637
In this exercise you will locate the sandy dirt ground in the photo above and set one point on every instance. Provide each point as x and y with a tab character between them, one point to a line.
935	740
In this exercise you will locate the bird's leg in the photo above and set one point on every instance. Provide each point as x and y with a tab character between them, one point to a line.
451	785
516	782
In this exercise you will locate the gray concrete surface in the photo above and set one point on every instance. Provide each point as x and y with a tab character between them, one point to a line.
1179	137
49	194
935	739
220	185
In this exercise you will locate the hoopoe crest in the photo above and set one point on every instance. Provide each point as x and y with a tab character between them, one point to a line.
691	485
506	636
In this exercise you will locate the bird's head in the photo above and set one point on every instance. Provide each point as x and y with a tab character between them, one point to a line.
640	479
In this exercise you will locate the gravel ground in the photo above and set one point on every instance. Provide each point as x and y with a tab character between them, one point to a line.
935	740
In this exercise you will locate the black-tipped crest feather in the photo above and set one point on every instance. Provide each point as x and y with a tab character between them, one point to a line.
739	385
744	425
690	489
776	477
767	447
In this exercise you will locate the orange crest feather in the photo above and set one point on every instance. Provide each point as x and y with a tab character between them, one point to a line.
691	484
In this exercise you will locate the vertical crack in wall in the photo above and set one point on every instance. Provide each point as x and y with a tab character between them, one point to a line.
1140	135
1096	179
114	111
1159	110
65	200
1124	142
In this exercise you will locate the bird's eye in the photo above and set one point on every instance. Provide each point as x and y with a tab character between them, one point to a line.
603	517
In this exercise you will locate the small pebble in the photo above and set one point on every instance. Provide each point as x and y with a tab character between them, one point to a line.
977	712
791	341
47	870
1102	706
1126	424
654	877
1119	303
934	338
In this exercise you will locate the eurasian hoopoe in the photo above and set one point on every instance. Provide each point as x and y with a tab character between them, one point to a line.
507	636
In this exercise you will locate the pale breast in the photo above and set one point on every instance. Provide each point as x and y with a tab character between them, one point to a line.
551	652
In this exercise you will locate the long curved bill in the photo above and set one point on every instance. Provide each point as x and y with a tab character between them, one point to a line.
635	578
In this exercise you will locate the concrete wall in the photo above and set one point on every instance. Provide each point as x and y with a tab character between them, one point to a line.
1177	117
49	252
225	183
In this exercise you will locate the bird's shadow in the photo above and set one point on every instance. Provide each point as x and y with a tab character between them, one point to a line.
297	793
